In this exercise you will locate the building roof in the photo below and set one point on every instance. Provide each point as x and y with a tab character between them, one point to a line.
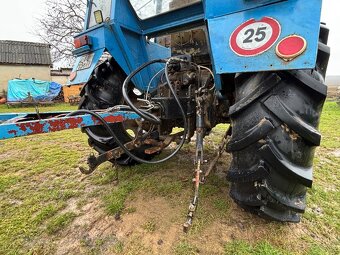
28	53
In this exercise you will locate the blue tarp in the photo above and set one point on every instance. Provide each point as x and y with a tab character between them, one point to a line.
19	90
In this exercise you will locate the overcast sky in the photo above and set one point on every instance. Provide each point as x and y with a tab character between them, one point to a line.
18	19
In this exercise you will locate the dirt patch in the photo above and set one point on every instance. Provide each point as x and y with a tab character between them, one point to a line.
91	225
336	153
166	217
332	92
321	152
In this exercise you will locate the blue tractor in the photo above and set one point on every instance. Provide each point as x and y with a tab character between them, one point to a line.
167	70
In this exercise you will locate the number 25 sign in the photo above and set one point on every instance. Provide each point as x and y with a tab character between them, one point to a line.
255	37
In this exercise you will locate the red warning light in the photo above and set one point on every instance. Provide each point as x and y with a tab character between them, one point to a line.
291	47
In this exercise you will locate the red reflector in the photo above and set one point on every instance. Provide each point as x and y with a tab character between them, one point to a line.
291	47
73	75
81	41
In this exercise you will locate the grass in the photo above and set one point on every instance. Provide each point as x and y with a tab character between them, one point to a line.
118	247
60	222
47	212
6	181
116	199
150	226
47	206
244	248
185	248
55	107
329	126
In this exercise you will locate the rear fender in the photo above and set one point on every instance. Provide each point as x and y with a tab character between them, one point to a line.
129	48
84	66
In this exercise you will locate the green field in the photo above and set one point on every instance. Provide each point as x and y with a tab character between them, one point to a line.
48	207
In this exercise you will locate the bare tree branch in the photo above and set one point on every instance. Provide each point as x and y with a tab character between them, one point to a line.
62	20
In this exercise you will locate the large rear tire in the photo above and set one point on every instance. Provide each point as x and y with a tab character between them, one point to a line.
102	91
274	136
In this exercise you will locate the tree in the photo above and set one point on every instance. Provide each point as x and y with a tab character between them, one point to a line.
62	20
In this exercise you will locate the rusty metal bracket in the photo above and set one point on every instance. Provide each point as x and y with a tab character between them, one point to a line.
158	146
93	162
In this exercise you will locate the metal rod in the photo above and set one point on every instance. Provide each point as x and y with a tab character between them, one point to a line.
11	129
7	116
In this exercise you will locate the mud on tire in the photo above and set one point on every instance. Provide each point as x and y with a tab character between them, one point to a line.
274	121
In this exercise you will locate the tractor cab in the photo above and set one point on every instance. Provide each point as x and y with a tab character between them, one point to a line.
228	36
146	9
98	11
185	42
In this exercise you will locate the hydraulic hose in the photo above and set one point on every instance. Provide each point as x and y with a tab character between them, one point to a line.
143	114
154	119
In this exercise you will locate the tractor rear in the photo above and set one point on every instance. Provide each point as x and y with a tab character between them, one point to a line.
182	67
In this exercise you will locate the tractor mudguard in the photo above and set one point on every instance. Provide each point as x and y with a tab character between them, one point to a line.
278	36
128	48
86	63
84	66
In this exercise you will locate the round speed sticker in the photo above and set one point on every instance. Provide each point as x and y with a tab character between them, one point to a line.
255	37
